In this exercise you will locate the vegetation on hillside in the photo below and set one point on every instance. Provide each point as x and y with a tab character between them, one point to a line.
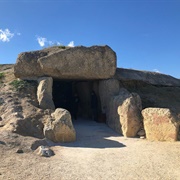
18	84
2	75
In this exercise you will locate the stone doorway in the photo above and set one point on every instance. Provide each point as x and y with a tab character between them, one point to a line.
63	95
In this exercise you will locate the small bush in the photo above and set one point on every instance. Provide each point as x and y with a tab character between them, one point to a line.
19	84
2	75
62	47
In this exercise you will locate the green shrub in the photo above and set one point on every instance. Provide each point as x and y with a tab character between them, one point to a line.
2	75
19	84
62	47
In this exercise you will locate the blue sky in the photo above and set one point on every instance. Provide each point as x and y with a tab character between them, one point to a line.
145	34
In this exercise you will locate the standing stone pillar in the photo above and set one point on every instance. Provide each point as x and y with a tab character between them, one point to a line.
44	93
108	89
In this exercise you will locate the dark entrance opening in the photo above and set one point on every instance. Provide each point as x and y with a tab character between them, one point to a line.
63	96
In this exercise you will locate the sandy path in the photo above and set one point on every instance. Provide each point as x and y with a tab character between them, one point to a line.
98	153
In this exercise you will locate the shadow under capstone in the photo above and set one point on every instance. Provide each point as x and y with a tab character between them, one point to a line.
90	134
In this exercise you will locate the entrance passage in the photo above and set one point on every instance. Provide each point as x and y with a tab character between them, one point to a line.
67	93
62	94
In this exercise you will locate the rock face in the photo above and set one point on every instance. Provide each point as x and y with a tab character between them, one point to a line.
160	124
60	128
96	62
44	93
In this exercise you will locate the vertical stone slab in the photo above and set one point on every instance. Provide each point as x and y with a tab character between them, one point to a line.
44	93
124	113
129	111
107	89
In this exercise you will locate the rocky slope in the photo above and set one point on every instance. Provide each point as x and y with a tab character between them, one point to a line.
19	112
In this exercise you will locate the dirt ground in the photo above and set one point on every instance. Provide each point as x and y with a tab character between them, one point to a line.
99	153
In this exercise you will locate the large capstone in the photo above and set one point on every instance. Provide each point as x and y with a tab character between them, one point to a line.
96	62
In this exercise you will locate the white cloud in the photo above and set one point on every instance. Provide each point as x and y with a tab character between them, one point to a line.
5	35
41	41
71	44
18	34
45	42
156	70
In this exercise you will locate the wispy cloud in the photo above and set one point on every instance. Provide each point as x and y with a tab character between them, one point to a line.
45	42
71	44
5	35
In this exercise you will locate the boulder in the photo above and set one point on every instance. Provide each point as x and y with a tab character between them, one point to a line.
96	62
129	111
60	127
141	133
44	93
124	113
160	124
44	151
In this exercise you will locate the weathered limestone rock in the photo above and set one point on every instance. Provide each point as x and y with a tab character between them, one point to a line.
96	62
60	128
153	78
44	151
129	111
160	124
107	89
141	133
112	117
44	93
124	113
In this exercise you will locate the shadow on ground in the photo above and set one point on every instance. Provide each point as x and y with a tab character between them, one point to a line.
91	134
